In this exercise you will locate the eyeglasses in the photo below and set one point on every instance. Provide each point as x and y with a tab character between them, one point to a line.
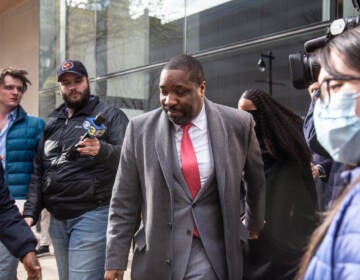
331	86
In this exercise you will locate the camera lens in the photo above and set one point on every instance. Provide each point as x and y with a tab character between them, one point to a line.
304	69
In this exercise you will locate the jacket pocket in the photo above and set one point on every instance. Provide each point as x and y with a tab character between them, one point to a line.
69	191
139	240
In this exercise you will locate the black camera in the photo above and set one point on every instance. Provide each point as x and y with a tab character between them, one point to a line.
337	27
304	66
304	69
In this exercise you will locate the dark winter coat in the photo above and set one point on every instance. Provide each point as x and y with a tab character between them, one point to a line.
69	188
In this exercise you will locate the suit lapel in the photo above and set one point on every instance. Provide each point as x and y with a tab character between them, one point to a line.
218	140
163	146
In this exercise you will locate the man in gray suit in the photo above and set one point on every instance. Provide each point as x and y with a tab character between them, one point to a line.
182	233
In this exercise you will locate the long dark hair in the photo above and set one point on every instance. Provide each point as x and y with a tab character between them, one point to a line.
278	128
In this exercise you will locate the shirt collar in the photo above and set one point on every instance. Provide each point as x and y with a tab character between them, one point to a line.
199	121
12	115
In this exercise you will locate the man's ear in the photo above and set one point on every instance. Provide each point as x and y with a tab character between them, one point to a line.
203	88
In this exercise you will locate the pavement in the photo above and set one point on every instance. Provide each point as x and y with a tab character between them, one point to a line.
49	268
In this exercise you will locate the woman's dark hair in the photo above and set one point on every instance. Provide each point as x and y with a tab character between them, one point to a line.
348	45
278	128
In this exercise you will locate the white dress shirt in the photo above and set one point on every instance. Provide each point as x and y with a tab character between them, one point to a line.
200	139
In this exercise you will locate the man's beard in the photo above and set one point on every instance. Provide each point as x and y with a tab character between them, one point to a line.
77	105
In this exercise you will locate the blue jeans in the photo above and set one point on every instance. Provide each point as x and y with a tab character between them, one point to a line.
8	264
79	245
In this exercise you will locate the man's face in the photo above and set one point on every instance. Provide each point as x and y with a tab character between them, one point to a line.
11	92
181	98
75	90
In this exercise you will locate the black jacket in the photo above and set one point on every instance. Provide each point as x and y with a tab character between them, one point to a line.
15	234
69	188
291	216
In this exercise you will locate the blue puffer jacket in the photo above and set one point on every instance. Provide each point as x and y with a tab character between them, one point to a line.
338	255
21	146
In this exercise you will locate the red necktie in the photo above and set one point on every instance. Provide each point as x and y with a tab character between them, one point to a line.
189	164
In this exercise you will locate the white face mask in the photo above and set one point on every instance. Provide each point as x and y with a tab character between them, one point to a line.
338	127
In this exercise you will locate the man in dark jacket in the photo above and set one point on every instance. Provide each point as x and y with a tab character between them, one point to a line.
73	175
19	136
15	234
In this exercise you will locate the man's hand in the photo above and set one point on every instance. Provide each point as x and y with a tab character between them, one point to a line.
89	147
314	171
32	266
253	235
29	221
114	274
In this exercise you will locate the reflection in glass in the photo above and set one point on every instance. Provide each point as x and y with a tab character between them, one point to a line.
116	37
48	43
170	10
137	92
238	21
229	74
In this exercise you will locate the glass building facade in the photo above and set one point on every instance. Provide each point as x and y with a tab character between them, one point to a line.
125	43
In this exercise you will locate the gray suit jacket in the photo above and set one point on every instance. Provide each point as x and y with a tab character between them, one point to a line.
144	191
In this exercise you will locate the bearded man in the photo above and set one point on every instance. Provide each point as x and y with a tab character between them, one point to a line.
74	175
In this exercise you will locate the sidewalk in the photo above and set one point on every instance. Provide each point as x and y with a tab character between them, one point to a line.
49	269
48	265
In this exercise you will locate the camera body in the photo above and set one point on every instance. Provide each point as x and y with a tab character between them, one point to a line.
304	66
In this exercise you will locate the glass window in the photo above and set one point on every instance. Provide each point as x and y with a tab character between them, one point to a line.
134	93
116	37
236	21
137	33
228	75
348	9
49	43
80	36
121	41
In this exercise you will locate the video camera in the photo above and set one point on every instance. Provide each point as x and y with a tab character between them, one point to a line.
304	66
304	69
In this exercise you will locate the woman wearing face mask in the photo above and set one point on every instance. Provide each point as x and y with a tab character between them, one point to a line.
333	251
290	192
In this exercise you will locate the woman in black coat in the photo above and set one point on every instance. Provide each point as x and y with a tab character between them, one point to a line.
291	202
